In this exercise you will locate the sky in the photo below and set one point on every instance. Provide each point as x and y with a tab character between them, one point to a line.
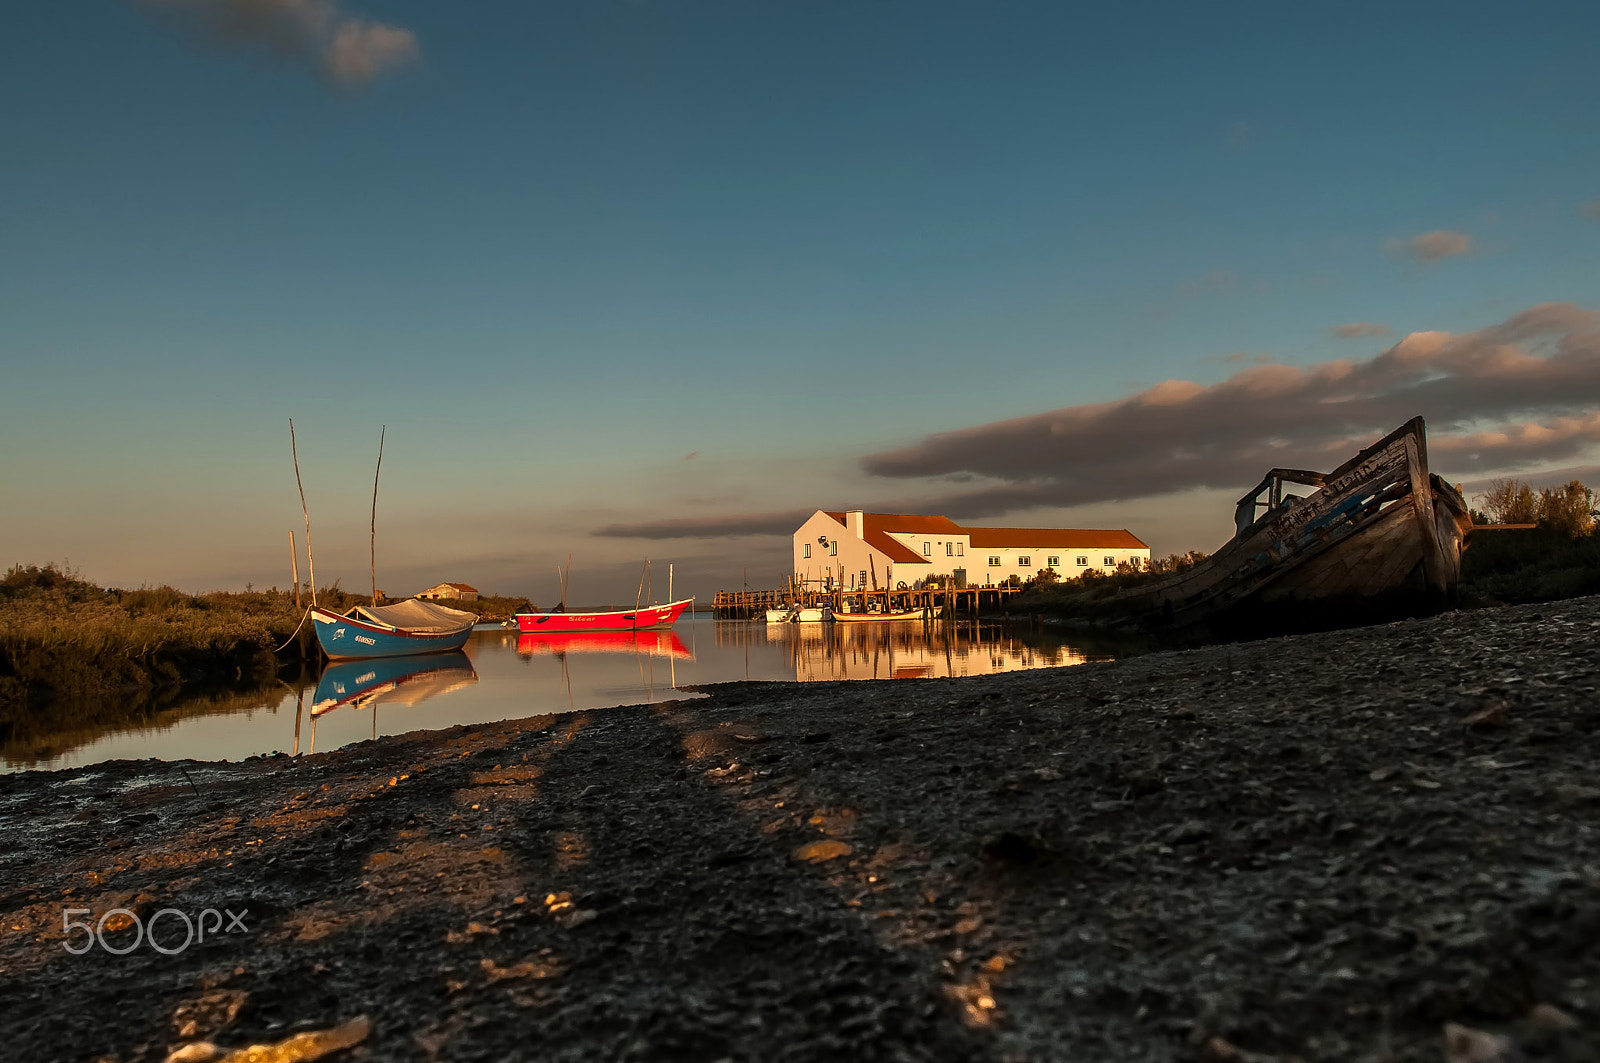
630	278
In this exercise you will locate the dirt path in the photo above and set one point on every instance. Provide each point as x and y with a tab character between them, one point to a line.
1286	849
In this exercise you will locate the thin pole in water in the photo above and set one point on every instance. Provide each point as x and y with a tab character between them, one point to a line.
383	431
311	562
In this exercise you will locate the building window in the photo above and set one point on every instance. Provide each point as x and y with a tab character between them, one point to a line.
1025	561
1111	562
808	550
927	549
833	548
961	549
1082	561
863	579
1053	561
949	549
994	560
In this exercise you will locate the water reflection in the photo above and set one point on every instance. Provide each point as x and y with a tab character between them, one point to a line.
654	643
909	649
403	680
504	675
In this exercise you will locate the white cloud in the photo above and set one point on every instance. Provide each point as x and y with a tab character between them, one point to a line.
1431	247
1357	329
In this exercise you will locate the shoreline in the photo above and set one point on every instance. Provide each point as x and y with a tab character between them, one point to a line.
1298	848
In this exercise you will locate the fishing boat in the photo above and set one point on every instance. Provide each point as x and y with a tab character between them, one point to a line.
397	630
650	616
1378	529
920	613
797	614
401	680
652	643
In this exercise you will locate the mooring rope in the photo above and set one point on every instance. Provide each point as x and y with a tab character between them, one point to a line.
297	628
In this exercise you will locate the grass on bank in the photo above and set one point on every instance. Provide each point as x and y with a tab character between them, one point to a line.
1092	595
490	607
62	635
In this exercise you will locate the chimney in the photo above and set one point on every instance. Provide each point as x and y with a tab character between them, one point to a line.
856	521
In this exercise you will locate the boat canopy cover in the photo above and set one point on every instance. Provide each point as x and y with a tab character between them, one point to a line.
422	617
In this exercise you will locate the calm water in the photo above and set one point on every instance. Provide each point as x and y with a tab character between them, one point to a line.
503	675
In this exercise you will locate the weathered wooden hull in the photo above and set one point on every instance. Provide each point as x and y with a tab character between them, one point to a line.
1379	528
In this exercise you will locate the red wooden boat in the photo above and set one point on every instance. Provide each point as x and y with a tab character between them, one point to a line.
651	616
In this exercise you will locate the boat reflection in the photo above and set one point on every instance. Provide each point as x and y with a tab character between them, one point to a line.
913	649
397	680
653	643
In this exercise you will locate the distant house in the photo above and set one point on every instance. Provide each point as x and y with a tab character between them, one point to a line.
459	591
856	549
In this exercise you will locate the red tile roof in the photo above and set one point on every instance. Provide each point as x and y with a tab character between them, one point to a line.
906	523
462	587
878	525
1062	538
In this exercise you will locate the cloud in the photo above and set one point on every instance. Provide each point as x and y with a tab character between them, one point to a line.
1431	247
1356	329
1524	390
697	527
1217	281
1591	210
346	49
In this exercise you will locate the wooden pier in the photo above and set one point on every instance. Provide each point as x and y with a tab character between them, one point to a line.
969	601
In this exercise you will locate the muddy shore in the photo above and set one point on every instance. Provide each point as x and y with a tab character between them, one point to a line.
1324	847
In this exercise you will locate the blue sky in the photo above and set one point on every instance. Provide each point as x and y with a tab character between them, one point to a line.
559	247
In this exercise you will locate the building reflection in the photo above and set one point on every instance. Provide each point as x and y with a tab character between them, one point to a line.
906	649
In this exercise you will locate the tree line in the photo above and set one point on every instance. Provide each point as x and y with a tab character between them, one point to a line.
1569	509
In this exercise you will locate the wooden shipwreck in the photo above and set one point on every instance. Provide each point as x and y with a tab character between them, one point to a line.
1378	534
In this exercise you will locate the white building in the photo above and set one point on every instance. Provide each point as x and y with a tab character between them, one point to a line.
458	591
858	550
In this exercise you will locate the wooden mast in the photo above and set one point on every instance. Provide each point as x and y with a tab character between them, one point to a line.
373	546
311	562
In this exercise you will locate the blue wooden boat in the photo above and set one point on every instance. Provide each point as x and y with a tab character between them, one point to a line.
406	680
392	630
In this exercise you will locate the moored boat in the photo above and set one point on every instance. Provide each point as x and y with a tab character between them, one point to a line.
651	616
896	614
401	629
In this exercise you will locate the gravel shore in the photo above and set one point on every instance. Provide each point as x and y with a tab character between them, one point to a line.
1325	847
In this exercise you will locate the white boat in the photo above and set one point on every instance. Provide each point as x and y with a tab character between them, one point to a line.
799	615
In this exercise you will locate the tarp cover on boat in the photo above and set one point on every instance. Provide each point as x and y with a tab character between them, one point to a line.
422	617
